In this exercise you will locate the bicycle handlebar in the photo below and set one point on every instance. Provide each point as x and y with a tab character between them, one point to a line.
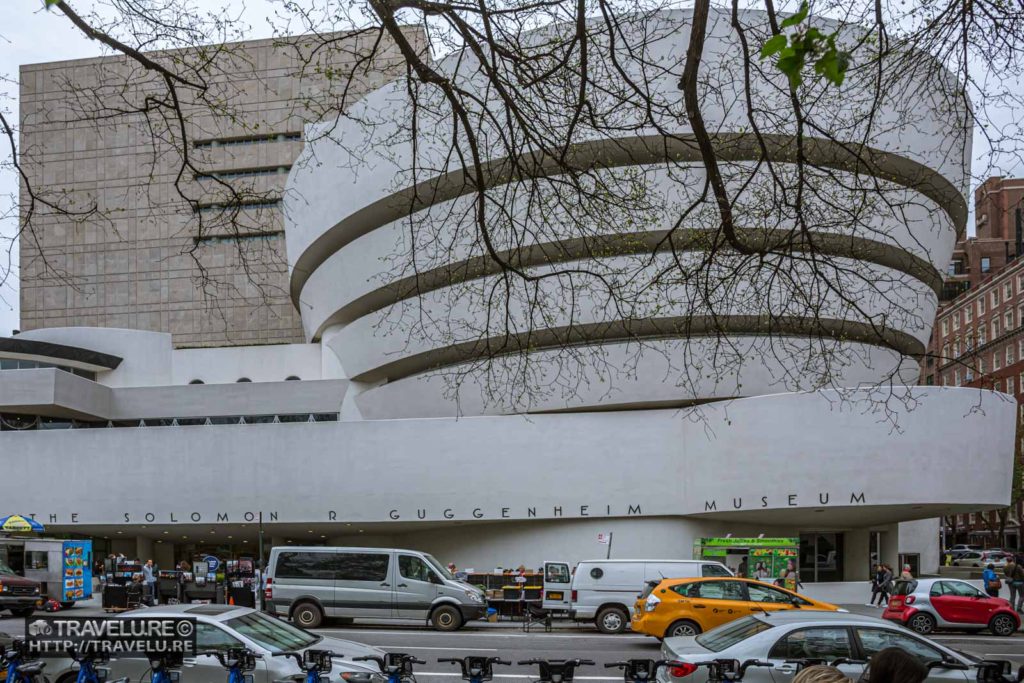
574	662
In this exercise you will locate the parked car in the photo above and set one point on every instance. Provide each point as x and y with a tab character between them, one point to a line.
307	584
220	627
982	558
964	547
686	607
17	594
927	604
603	591
780	636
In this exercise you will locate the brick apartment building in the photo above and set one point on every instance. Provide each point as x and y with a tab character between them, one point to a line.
978	337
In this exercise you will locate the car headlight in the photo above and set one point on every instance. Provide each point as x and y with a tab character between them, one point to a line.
474	596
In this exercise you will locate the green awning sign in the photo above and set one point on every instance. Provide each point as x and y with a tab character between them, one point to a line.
733	542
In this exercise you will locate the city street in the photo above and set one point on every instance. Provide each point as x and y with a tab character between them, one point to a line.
509	642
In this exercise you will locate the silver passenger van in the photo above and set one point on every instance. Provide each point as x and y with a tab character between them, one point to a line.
308	584
603	591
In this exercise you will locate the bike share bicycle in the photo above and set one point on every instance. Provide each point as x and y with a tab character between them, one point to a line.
165	667
20	666
557	670
90	667
396	666
237	660
315	665
475	669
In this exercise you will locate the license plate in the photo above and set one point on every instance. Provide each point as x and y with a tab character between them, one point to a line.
555	596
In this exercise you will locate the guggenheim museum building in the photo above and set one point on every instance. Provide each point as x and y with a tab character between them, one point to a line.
494	347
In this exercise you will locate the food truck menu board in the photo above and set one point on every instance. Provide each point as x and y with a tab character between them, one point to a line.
77	570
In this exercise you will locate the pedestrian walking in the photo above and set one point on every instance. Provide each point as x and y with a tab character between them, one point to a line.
886	585
149	579
876	586
1014	574
991	580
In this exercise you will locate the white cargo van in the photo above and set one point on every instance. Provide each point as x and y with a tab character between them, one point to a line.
603	591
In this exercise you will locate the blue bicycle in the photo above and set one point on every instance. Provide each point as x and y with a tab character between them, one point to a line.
397	666
166	667
21	668
315	664
476	669
238	662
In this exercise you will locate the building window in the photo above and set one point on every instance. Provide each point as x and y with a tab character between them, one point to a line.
981	305
995	328
981	365
1008	320
1007	291
1020	348
945	326
986	264
945	351
1009	355
999	385
981	335
1009	386
995	361
956	378
956	347
197	381
993	299
1020	284
968	315
929	380
956	320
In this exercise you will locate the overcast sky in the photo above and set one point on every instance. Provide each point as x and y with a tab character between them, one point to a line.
30	34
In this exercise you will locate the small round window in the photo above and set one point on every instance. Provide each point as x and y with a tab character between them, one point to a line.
596	573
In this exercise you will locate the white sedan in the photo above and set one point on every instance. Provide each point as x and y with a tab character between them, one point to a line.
223	627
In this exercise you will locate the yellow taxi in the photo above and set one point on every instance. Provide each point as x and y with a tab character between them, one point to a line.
686	607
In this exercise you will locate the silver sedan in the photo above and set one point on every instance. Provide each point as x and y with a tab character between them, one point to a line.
778	638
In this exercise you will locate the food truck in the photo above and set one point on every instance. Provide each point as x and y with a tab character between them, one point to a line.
767	559
62	567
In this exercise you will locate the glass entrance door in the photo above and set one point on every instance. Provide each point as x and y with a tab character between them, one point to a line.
821	556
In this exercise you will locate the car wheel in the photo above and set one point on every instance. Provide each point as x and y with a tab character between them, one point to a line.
921	623
1002	625
23	611
682	627
612	620
446	618
307	615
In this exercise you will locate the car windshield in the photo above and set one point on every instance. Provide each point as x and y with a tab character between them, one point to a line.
726	636
273	634
438	568
4	569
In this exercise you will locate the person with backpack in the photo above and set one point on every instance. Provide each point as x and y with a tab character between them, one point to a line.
991	580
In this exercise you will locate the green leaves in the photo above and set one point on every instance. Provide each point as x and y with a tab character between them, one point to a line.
796	50
50	3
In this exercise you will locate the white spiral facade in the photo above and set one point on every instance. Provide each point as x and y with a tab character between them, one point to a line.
403	291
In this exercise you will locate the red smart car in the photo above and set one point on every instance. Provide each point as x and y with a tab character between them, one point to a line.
924	605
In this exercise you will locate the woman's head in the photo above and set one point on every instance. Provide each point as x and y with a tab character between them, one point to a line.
895	665
990	566
820	674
